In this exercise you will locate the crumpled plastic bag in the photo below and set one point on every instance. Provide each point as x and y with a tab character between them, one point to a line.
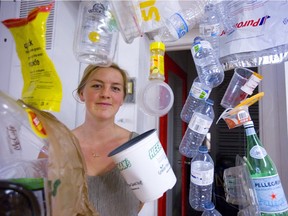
261	35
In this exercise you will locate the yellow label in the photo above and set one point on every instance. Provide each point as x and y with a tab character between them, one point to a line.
157	64
149	11
35	124
94	37
250	101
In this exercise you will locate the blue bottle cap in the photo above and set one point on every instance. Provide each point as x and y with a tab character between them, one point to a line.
209	205
203	149
197	39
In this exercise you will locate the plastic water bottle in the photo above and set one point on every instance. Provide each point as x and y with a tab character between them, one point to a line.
128	16
209	27
201	179
197	96
96	33
197	129
210	210
226	19
208	66
177	25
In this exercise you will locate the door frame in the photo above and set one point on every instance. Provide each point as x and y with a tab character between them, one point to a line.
172	66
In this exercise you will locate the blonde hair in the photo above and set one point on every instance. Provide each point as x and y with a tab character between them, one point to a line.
90	69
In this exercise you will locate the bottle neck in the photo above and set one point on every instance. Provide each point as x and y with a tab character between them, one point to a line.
250	131
252	137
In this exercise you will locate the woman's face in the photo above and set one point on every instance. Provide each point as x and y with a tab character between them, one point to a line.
103	93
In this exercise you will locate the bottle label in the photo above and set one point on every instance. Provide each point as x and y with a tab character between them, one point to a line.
199	93
157	64
200	45
270	194
251	84
179	24
250	131
212	30
200	125
258	152
201	177
35	124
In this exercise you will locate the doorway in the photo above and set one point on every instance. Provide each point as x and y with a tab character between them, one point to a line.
225	143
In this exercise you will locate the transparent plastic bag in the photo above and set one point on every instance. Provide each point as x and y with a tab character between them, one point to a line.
239	189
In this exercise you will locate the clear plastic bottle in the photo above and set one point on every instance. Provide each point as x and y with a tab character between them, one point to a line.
209	27
201	179
177	25
197	129
210	210
96	33
208	66
197	96
226	19
128	16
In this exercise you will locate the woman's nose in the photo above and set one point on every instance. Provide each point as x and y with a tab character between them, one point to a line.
105	92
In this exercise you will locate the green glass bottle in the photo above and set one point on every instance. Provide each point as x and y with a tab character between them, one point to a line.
270	194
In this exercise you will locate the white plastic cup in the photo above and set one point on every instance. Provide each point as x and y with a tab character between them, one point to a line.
234	94
145	166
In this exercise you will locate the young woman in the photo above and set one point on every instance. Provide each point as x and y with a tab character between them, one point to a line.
103	90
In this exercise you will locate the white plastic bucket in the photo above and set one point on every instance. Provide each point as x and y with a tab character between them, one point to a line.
145	166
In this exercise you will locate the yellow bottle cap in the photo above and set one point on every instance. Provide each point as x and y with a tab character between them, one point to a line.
157	45
250	101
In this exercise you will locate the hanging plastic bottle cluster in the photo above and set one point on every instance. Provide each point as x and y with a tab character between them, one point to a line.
96	33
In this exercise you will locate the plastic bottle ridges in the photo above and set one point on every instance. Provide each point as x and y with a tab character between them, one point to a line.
197	129
209	27
197	95
201	179
208	66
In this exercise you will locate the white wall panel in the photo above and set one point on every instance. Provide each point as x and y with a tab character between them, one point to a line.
7	11
273	117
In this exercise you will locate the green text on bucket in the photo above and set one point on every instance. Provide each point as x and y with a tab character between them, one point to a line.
155	150
124	164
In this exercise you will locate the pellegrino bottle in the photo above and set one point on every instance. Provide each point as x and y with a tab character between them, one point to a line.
270	194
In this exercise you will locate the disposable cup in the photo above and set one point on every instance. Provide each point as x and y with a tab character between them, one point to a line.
145	166
234	94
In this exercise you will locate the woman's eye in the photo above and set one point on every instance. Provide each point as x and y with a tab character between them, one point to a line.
116	89
97	86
